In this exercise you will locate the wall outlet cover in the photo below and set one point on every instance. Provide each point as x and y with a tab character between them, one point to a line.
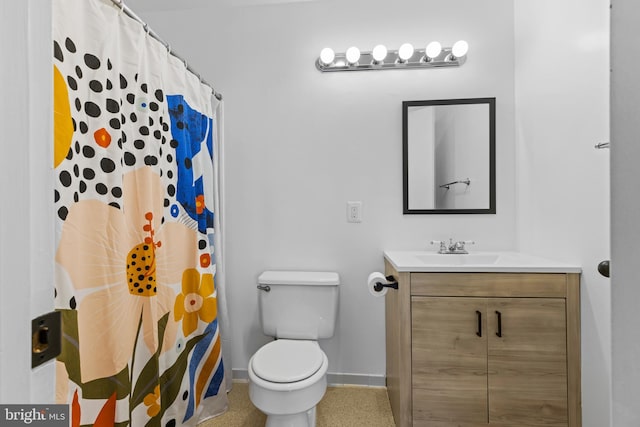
354	211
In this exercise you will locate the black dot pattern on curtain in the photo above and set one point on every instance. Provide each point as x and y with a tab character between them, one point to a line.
123	106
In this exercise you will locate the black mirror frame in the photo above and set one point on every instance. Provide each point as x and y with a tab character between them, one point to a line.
492	156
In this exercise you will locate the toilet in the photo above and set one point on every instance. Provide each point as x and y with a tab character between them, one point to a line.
288	376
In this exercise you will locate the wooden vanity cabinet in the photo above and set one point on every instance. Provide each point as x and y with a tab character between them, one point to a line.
484	349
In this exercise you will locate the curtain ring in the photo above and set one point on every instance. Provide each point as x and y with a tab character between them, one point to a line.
146	28
168	48
121	7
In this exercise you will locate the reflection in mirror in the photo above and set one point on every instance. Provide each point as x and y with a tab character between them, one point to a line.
449	156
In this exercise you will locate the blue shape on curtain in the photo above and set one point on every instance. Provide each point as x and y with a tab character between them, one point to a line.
216	381
190	129
199	352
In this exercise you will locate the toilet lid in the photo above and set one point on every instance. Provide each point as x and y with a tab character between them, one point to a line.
287	361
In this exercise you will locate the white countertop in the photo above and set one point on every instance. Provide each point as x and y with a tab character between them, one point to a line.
481	262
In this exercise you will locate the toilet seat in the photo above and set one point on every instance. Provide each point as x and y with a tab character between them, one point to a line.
287	361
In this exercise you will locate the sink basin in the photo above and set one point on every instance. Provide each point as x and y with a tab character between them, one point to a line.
514	262
458	259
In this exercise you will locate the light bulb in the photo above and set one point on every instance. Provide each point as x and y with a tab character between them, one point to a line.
379	53
353	54
405	52
327	55
433	50
460	48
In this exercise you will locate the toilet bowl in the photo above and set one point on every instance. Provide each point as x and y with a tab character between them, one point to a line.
287	379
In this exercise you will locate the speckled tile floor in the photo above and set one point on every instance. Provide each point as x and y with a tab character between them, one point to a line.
340	407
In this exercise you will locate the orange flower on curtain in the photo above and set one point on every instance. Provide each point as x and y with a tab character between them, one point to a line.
195	301
200	204
152	402
123	264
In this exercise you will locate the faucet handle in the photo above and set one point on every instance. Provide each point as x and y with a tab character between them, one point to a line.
443	246
461	244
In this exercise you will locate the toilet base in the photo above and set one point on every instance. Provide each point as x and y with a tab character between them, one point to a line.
303	419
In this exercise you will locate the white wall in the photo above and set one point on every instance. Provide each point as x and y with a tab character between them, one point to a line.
625	211
562	100
301	143
26	191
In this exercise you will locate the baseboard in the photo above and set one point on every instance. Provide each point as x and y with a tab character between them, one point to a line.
241	375
357	380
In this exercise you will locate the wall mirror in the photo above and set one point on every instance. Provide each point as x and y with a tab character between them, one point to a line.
448	156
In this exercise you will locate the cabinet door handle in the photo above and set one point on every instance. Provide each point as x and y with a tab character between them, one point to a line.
479	330
499	315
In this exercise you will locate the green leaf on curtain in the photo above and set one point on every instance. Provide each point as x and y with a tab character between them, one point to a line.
118	383
155	421
162	325
101	388
148	378
171	379
69	354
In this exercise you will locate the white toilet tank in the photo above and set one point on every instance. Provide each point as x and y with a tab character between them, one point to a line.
298	304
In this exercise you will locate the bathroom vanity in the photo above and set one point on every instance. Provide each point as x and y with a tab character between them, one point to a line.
486	339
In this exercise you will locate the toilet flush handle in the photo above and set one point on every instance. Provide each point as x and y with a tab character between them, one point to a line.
265	288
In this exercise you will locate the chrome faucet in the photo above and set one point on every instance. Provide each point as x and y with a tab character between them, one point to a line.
453	247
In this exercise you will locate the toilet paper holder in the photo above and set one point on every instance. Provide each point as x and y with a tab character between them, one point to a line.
393	283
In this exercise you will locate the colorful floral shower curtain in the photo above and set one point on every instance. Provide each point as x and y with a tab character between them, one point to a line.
134	158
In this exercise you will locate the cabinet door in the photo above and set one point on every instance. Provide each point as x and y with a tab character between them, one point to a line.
527	375
449	360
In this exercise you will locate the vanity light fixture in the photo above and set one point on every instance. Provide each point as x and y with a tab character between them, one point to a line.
406	57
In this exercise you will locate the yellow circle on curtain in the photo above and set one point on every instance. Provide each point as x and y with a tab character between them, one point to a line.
62	122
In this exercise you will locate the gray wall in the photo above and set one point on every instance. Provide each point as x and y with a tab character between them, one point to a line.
625	210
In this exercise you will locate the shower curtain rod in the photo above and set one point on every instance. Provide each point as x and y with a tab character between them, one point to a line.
132	15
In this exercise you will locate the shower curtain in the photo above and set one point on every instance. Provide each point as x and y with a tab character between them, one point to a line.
135	151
